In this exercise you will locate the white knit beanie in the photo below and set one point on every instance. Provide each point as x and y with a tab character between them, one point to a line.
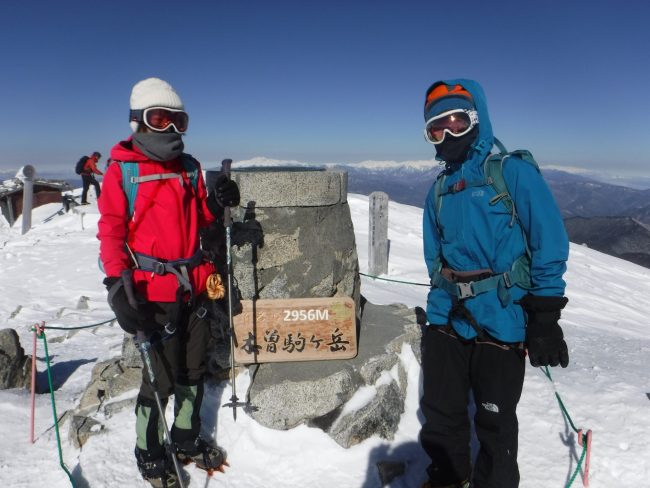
153	92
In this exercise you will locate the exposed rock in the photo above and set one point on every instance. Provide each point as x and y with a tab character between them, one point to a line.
380	416
111	408
286	403
16	312
131	357
109	379
81	428
126	380
82	303
107	392
15	367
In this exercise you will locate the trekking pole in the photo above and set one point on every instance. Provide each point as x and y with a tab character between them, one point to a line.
144	345
227	222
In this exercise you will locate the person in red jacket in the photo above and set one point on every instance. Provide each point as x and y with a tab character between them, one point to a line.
155	272
88	177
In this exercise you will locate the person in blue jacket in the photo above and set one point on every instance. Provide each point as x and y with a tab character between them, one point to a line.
497	291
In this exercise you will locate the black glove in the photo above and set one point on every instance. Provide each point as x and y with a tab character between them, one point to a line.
225	192
127	307
544	338
109	281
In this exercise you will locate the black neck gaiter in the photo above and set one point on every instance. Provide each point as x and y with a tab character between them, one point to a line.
455	150
159	146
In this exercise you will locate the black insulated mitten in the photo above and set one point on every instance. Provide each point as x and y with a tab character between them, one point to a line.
544	337
125	305
225	193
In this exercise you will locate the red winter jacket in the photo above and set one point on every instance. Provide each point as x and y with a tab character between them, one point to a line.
165	223
90	167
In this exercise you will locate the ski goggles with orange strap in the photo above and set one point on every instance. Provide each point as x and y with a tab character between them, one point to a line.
160	119
457	122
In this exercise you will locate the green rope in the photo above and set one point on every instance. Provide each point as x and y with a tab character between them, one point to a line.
547	373
79	327
579	466
56	418
394	281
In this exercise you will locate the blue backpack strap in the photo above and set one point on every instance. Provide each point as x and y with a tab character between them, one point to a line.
499	144
191	168
493	170
130	172
131	177
438	191
520	270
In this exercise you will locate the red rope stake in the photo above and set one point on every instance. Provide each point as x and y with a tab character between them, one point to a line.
38	330
582	440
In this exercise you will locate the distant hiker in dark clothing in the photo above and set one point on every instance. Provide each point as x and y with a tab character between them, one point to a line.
496	252
157	278
88	176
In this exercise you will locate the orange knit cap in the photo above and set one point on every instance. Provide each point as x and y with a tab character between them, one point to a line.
443	90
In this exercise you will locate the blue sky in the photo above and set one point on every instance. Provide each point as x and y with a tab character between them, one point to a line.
327	81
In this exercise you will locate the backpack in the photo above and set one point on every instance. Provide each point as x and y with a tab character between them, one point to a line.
131	178
79	167
493	170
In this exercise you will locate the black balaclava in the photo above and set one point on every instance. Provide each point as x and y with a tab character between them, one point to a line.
454	150
159	146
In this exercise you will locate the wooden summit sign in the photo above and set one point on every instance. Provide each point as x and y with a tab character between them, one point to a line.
297	329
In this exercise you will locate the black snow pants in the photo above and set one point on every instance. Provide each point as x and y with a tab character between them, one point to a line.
178	362
88	180
494	373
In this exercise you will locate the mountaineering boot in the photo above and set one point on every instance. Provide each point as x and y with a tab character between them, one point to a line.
158	472
205	455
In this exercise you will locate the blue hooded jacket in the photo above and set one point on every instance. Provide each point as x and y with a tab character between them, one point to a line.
469	234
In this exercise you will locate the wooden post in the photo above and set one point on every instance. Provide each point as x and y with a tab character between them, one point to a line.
378	234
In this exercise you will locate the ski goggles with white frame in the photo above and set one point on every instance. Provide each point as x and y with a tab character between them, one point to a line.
457	122
160	119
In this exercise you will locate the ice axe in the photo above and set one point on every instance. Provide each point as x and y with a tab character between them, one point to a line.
227	222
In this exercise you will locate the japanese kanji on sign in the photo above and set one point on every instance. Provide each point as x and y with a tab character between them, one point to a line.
298	329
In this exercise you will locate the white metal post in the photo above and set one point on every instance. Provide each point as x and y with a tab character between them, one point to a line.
26	174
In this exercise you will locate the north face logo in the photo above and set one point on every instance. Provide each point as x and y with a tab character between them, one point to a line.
490	407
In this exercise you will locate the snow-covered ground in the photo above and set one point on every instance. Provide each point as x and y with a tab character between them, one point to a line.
46	271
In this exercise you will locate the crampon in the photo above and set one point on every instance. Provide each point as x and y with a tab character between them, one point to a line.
206	456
